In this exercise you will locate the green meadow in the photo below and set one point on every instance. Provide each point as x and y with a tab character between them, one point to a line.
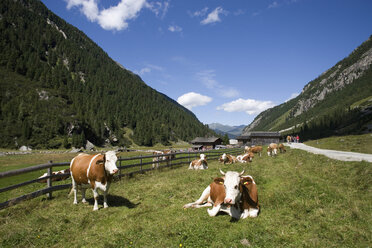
306	201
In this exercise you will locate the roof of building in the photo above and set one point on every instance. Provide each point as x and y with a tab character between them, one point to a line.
259	134
205	140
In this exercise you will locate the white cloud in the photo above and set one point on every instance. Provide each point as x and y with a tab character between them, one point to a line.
88	7
159	8
249	106
214	16
239	12
175	28
273	5
149	68
198	13
143	71
192	99
207	78
112	18
293	95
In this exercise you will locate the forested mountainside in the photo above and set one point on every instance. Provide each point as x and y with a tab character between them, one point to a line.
337	102
59	88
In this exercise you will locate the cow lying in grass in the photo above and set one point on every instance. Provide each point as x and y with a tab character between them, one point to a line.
233	193
59	176
227	159
94	170
247	157
199	164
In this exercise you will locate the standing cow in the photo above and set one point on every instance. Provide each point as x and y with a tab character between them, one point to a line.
256	149
168	155
94	170
282	148
272	149
234	194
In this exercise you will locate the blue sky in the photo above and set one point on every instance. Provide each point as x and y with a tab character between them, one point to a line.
224	60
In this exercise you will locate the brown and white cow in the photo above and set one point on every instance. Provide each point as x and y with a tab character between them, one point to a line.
256	149
155	160
94	170
246	149
199	164
234	194
62	175
227	159
272	149
282	148
289	138
247	157
168	155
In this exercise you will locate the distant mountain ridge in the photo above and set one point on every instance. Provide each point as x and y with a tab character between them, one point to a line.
337	102
231	131
59	88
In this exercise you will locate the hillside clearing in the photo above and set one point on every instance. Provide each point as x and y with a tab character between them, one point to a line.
306	200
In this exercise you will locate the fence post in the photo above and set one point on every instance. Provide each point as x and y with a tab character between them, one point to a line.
141	163
120	168
49	180
170	159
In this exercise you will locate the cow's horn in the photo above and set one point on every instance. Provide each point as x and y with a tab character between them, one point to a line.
223	173
241	173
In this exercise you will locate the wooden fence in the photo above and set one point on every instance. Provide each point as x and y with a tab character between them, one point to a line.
127	168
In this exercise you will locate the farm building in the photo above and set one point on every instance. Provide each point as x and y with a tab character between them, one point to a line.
259	138
200	143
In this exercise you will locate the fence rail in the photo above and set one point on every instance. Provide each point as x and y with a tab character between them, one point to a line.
125	166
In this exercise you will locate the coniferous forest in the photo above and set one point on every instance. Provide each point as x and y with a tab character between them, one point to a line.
58	88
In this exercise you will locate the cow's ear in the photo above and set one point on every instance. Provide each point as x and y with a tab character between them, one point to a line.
219	180
100	161
246	180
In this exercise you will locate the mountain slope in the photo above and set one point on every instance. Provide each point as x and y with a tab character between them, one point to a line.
58	86
334	101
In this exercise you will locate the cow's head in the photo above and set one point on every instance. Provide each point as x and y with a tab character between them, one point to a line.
224	157
202	157
109	161
250	156
232	186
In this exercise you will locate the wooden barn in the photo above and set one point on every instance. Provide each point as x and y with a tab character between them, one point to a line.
200	143
258	138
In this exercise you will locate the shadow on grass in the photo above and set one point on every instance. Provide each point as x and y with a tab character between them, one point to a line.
114	201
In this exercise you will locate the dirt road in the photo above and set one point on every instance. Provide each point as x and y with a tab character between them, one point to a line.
339	155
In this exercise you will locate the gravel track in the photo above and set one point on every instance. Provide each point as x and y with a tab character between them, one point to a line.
339	155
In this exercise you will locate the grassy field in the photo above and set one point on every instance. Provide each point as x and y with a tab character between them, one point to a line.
306	201
351	143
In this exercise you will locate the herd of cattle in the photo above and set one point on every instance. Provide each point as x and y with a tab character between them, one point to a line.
233	193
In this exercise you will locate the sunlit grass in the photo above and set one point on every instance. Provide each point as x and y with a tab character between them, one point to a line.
306	201
350	143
